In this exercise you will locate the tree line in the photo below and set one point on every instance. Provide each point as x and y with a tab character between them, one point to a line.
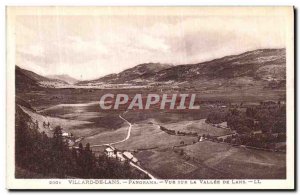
266	119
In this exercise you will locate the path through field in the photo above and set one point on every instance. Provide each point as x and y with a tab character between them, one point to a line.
126	138
143	170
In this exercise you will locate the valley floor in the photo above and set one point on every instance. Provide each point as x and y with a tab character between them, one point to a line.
166	156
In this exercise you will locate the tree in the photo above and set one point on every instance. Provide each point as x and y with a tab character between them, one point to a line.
36	124
251	112
58	143
181	152
279	126
216	117
87	147
208	136
57	132
80	146
228	139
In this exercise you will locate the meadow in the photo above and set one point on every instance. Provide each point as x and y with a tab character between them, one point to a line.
164	155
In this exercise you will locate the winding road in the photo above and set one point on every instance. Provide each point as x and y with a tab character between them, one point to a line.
143	170
126	138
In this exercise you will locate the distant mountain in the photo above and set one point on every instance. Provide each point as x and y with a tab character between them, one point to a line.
26	79
64	77
135	73
265	67
264	64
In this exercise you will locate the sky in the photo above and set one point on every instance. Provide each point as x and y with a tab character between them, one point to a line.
91	46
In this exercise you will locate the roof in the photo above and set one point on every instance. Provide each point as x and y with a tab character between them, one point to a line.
128	155
109	150
120	156
134	160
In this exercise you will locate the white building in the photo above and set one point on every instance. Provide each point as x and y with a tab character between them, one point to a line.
130	157
109	152
67	135
134	160
201	139
120	157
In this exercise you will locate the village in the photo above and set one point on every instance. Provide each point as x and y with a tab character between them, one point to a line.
112	152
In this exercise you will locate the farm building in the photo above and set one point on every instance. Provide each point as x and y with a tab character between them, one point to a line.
109	152
134	160
130	157
201	139
67	135
120	157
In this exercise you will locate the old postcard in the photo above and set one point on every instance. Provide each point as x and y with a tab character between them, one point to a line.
150	98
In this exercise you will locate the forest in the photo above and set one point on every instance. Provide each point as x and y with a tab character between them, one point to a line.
262	126
265	118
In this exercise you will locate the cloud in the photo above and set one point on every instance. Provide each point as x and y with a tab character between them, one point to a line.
88	47
152	43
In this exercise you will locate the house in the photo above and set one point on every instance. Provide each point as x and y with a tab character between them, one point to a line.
201	139
135	160
109	152
128	155
120	157
70	142
78	139
67	135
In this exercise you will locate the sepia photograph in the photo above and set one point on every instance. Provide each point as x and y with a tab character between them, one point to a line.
150	97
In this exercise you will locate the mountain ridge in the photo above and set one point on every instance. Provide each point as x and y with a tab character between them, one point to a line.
26	79
133	73
261	64
262	67
64	77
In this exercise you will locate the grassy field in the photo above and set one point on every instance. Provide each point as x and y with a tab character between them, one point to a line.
77	111
201	160
46	97
145	136
197	126
166	164
107	136
74	126
238	161
208	160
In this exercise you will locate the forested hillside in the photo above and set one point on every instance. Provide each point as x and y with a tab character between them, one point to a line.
38	155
